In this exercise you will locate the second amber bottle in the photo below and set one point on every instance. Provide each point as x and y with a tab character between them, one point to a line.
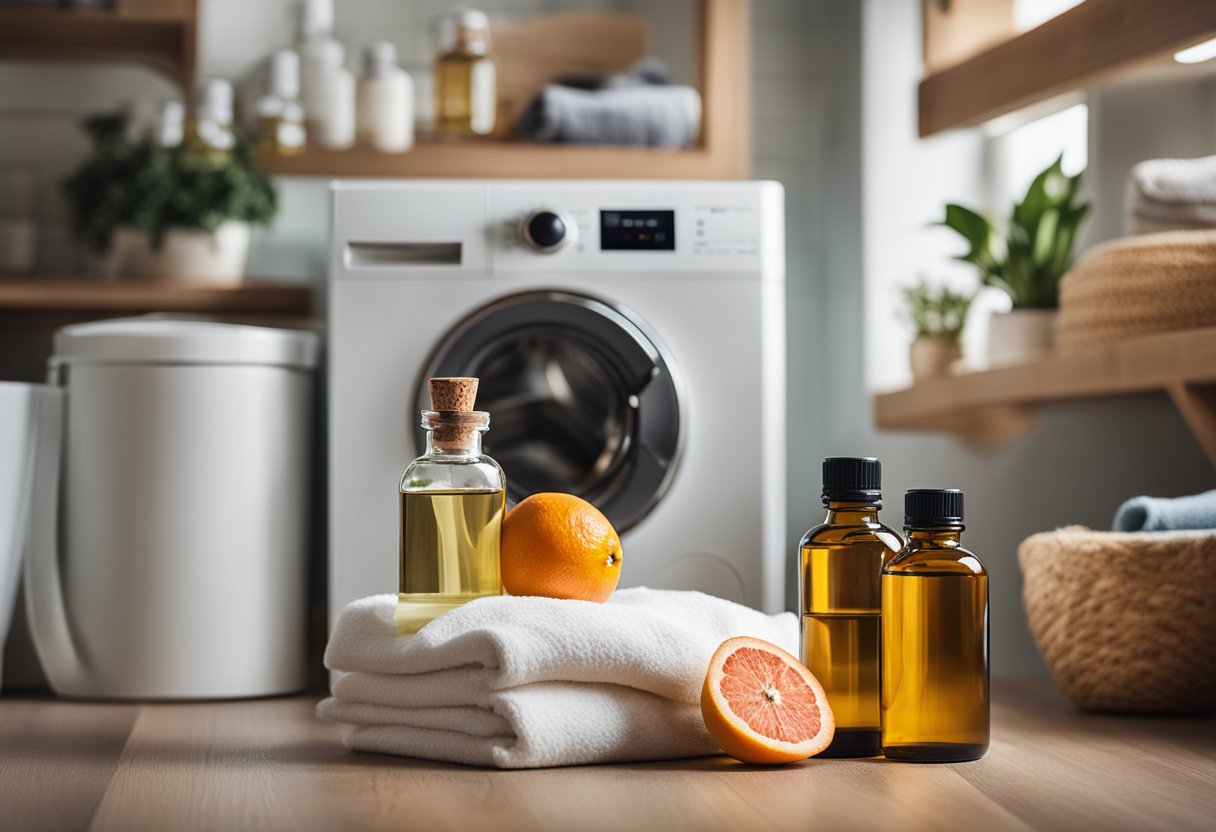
841	563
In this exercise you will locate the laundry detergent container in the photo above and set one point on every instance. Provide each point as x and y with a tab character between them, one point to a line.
167	549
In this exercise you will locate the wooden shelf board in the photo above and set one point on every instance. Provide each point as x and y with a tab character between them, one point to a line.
1152	363
1090	43
57	294
158	36
506	160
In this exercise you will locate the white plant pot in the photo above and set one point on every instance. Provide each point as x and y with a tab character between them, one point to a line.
1021	335
185	256
930	357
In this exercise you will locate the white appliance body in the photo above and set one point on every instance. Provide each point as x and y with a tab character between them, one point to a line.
167	553
414	265
20	406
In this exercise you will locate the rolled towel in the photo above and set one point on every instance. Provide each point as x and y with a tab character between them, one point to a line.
659	641
645	115
1160	514
538	725
1171	195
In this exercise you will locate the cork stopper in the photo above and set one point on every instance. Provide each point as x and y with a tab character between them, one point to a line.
452	420
453	393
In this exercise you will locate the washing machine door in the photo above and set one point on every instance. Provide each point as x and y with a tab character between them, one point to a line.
583	399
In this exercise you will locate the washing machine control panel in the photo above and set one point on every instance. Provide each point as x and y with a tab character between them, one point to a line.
634	227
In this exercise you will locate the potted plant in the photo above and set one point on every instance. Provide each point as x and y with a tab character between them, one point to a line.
938	315
1028	263
171	212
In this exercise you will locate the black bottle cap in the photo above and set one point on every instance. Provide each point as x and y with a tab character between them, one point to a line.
852	479
933	507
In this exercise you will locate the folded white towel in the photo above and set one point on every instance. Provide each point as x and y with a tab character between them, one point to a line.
1171	194
545	724
529	682
650	639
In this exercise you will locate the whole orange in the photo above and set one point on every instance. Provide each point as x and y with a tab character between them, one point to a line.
559	546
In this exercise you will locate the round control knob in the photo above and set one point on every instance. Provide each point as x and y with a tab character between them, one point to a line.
548	231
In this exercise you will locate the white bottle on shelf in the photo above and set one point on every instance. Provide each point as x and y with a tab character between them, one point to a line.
212	133
385	107
280	116
327	89
330	114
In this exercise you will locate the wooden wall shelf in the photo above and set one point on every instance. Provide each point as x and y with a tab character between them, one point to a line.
1090	43
75	295
162	34
981	404
490	159
721	37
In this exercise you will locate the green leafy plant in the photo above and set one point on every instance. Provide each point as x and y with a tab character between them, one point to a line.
143	185
937	312
1037	249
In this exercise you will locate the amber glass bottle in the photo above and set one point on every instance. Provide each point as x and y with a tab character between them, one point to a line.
934	638
466	80
841	563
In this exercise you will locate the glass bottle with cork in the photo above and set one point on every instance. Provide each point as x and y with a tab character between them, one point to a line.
452	503
935	706
841	564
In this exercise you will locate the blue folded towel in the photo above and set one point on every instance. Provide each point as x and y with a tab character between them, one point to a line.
1158	514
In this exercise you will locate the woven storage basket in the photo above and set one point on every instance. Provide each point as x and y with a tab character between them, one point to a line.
1138	286
1125	621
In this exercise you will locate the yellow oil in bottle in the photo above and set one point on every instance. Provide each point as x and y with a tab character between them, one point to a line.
841	634
449	552
935	685
840	563
466	81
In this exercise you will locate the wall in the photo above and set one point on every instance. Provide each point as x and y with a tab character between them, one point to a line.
1082	458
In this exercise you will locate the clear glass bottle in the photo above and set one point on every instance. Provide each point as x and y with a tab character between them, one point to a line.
841	564
466	95
935	706
452	503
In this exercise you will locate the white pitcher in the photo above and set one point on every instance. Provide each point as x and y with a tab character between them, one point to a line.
170	561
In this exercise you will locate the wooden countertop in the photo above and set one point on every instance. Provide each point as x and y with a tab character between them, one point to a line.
269	764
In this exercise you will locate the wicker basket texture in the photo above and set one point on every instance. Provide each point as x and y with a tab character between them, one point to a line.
1126	622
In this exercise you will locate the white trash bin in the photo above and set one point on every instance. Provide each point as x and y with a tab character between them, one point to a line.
168	543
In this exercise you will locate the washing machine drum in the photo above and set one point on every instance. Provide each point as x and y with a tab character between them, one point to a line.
583	399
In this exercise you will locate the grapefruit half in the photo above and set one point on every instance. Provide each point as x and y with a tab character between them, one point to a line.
762	705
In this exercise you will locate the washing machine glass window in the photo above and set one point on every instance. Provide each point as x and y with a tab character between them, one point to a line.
585	398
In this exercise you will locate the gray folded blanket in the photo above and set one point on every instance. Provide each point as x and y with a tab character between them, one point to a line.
641	109
1158	514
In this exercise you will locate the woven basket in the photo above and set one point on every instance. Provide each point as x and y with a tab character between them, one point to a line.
1139	286
1125	621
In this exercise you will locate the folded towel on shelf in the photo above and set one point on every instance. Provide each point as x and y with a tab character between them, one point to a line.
528	682
1161	514
1171	195
641	108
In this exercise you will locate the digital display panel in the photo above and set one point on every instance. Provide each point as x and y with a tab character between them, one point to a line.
637	230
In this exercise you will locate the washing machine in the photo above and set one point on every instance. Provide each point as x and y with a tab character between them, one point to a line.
629	338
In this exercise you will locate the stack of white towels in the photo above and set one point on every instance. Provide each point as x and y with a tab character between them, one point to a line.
1171	195
532	682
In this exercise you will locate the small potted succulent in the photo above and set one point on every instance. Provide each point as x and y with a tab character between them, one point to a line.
938	314
1028	263
167	212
